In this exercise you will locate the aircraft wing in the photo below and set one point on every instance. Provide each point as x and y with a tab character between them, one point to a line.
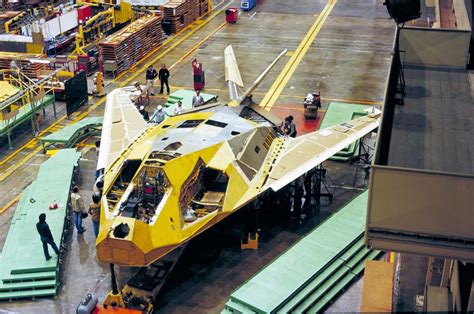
232	73
299	155
122	122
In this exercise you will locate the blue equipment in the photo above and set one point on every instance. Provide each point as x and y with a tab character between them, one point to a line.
247	5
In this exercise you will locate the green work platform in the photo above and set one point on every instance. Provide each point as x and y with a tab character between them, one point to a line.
71	134
24	271
339	112
25	113
186	97
312	272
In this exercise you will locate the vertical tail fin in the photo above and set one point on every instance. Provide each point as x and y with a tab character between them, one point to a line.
233	78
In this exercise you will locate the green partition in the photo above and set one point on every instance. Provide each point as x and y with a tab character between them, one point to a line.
71	134
313	271
24	271
339	112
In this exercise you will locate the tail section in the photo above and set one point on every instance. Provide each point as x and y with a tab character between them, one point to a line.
233	78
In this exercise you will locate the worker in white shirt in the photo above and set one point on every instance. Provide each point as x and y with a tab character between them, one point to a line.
198	100
179	108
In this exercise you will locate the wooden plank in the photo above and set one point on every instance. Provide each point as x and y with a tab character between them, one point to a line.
377	287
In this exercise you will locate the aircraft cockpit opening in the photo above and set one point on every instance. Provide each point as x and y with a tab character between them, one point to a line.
203	192
144	194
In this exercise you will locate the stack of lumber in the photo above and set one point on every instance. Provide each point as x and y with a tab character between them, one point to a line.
203	7
131	44
177	14
25	61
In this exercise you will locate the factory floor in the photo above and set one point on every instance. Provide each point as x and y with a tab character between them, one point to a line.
347	61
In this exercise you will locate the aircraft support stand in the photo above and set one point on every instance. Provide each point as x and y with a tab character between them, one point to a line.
321	189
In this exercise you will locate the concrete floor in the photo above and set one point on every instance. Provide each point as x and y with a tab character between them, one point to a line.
348	60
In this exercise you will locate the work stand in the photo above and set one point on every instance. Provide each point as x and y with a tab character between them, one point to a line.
364	155
320	188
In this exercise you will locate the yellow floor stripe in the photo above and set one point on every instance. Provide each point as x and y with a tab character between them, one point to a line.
33	140
10	204
195	47
283	78
301	97
19	164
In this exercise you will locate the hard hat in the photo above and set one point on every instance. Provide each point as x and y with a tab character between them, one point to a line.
142	107
159	107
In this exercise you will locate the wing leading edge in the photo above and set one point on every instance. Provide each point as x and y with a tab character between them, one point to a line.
122	123
299	155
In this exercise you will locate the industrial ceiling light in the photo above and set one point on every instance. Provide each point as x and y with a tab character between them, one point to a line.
403	10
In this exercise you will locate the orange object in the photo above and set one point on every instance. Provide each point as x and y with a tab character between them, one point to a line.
251	242
377	288
100	309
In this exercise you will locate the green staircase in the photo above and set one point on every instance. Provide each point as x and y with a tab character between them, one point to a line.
24	272
339	112
71	134
310	274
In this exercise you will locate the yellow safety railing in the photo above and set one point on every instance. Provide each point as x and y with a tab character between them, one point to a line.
22	82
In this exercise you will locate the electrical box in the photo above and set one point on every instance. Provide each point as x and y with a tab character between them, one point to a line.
247	5
84	13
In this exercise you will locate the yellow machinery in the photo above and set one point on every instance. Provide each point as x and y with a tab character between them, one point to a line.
21	98
94	28
8	25
16	80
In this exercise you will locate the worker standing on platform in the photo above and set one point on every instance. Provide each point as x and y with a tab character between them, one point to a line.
163	76
159	115
150	80
94	211
46	236
78	208
179	107
197	99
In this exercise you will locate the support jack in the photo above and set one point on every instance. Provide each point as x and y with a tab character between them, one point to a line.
250	241
364	155
320	187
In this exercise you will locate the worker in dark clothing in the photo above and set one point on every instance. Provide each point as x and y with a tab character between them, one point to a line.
144	113
150	79
293	131
288	127
46	236
163	75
